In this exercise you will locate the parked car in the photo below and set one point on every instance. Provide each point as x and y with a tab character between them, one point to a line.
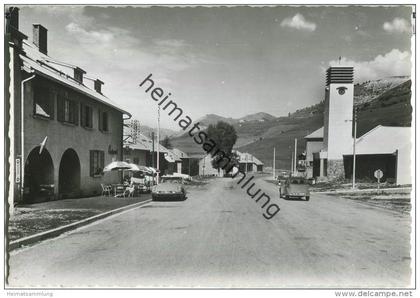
183	176
170	188
294	187
283	175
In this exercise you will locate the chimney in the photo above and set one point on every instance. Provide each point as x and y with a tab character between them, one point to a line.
98	85
12	27
12	17
78	74
40	37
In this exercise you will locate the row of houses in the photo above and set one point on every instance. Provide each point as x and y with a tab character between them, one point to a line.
63	129
247	163
143	151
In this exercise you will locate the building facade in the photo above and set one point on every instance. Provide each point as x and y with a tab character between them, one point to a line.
64	132
143	152
329	150
249	163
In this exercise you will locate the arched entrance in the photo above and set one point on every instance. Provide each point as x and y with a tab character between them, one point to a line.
69	175
39	176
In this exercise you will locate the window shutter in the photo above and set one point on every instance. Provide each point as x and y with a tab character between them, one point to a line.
90	117
100	120
60	108
91	169
52	95
105	122
83	115
102	160
76	112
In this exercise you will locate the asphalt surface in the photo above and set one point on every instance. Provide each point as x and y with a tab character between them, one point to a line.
218	237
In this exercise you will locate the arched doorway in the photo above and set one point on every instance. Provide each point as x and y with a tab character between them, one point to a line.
69	175
39	176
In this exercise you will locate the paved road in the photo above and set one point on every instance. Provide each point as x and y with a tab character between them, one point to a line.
219	238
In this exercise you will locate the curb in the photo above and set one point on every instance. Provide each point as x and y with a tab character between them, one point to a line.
395	189
60	230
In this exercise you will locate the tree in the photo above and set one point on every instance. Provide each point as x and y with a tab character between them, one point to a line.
224	135
166	142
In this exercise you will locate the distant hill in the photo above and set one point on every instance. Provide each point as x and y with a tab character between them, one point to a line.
208	119
391	107
363	93
369	90
261	116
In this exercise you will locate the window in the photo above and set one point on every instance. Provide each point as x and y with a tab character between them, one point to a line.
43	101
96	163
86	116
67	110
136	160
103	121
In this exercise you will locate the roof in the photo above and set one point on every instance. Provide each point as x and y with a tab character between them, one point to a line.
173	156
248	158
179	153
146	144
41	64
317	134
382	140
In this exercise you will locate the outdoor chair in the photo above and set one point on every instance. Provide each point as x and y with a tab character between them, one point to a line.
129	191
106	189
119	190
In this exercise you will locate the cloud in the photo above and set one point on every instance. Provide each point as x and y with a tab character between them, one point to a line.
393	63
398	25
103	36
298	22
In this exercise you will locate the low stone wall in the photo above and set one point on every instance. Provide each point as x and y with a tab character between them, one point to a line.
335	169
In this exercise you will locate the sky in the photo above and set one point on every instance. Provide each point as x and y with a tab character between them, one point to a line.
230	61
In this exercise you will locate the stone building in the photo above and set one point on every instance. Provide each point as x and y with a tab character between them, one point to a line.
63	129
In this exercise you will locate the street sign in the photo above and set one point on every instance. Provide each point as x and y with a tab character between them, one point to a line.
378	174
17	171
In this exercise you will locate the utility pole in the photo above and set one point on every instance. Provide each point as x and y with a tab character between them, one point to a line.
354	148
291	165
295	159
246	163
153	149
274	164
158	147
354	120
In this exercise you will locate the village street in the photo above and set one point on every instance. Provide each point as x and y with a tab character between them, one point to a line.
219	238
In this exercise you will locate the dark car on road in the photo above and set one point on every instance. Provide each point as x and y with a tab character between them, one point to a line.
171	188
294	187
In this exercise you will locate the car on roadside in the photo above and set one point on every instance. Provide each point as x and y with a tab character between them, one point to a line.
170	188
294	188
185	177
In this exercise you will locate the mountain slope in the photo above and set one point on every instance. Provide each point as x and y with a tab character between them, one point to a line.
261	116
392	107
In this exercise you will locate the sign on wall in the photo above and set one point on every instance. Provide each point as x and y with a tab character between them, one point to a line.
17	171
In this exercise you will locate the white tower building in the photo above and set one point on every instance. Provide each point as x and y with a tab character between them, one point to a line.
338	116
